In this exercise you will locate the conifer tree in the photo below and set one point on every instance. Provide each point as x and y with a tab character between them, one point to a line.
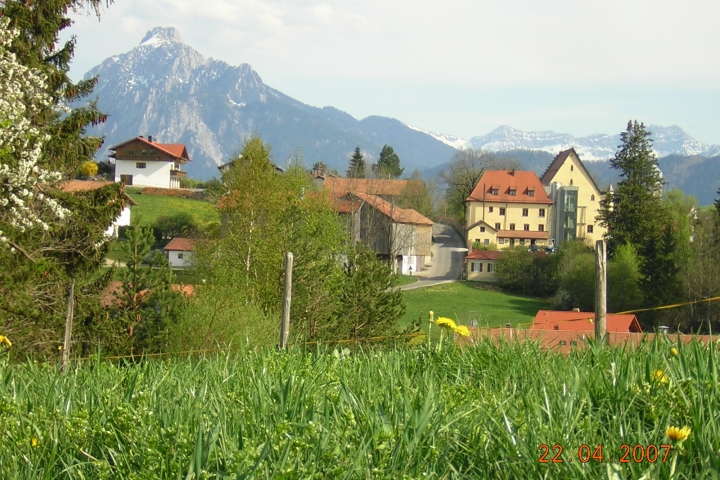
356	168
388	165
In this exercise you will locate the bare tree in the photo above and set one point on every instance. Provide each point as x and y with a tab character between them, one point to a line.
465	169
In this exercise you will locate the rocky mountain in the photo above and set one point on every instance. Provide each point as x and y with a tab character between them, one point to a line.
667	141
166	89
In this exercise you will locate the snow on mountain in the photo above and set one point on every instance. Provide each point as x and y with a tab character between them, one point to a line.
666	141
455	142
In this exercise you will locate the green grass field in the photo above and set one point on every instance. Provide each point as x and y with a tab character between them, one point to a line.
150	207
481	412
464	301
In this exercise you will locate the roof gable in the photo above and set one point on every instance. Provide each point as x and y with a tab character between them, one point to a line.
395	213
478	254
176	150
513	186
481	223
373	186
181	244
559	161
72	186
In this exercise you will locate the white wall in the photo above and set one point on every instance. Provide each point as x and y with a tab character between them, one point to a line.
122	221
155	174
176	262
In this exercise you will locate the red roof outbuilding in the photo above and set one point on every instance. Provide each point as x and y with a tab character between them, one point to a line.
585	321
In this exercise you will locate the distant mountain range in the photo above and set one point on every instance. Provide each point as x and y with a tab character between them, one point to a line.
166	89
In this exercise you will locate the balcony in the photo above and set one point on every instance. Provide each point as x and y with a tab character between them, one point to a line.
178	173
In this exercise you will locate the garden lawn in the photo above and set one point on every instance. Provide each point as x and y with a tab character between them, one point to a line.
464	301
150	207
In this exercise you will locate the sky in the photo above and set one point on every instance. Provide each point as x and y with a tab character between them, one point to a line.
461	68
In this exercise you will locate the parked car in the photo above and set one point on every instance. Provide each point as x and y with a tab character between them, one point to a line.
534	248
551	249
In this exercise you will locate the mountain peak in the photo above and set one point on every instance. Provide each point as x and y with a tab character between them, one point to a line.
161	35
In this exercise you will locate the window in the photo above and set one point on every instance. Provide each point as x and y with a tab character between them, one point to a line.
502	210
531	193
525	212
542	212
572	168
541	228
512	226
140	165
501	241
494	191
497	226
490	209
491	267
476	267
590	229
571	182
522	241
526	227
482	229
513	193
592	198
180	256
131	152
487	241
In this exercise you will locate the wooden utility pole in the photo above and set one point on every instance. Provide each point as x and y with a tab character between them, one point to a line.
68	328
285	325
600	291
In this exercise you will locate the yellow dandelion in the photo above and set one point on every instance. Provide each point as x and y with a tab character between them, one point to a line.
674	352
5	341
658	376
34	442
446	322
463	331
678	434
59	347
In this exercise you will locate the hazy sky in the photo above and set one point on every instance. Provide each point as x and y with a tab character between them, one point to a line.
455	67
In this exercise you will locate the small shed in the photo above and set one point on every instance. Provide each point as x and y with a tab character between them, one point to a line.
180	251
585	322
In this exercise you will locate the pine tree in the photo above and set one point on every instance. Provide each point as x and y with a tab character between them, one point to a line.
388	165
356	168
634	212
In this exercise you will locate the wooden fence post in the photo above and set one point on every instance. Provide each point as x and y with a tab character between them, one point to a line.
285	325
600	291
68	328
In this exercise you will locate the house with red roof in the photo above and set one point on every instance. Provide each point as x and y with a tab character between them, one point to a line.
508	208
180	252
143	162
480	265
584	322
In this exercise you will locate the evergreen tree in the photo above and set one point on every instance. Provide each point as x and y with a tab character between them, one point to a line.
147	301
388	165
717	204
634	212
356	168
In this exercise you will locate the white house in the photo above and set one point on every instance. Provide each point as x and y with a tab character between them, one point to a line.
87	185
142	162
180	252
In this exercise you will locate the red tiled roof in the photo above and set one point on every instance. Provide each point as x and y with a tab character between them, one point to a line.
522	234
583	321
71	186
110	296
397	214
521	181
181	244
478	254
373	186
176	150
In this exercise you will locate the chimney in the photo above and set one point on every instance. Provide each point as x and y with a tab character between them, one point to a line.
150	138
141	136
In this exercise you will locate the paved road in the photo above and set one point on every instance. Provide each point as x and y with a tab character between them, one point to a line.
449	251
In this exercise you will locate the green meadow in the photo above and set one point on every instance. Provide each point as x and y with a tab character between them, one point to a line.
468	301
495	411
150	207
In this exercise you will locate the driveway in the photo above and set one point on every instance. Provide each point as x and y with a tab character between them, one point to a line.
449	252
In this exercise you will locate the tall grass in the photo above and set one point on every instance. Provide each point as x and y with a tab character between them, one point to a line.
476	412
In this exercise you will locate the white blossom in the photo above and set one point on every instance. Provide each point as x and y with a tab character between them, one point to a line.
22	94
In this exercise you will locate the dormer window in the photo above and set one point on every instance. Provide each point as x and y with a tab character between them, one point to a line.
531	193
494	191
513	193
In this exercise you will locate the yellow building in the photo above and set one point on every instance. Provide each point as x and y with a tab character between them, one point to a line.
508	208
576	200
480	265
